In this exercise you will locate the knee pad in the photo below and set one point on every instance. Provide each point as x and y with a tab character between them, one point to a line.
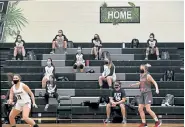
81	66
74	66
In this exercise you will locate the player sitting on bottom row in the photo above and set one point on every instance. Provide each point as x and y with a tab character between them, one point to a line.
118	98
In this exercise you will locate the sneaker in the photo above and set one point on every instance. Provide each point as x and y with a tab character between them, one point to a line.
157	124
107	121
158	58
146	58
65	52
46	107
13	58
143	125
124	121
52	52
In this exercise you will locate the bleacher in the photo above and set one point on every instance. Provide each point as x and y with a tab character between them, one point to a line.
83	86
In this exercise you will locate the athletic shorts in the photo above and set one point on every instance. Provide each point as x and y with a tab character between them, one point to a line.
145	98
19	106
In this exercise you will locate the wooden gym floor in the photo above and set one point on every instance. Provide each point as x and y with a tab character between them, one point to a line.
96	125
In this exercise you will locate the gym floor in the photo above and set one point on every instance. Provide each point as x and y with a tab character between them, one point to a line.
95	125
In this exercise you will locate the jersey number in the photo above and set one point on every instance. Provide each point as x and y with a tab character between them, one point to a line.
18	97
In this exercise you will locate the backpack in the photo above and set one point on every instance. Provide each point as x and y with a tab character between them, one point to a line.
169	75
168	101
63	78
105	54
134	43
165	55
31	55
90	71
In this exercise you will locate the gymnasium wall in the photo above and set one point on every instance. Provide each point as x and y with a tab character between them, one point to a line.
80	21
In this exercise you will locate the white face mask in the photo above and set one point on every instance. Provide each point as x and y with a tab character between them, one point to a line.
49	63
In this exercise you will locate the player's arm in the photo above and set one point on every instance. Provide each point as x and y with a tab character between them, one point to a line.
136	84
10	101
27	89
111	98
122	100
150	79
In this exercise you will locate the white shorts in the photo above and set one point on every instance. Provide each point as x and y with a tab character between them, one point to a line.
19	106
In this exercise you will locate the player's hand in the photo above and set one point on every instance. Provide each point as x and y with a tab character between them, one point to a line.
10	102
157	91
35	106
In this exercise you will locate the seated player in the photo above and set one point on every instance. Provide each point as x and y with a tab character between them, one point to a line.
108	74
48	70
60	40
118	98
19	48
152	47
79	60
97	44
51	90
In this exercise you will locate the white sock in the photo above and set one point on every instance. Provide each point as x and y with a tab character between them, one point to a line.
143	121
156	119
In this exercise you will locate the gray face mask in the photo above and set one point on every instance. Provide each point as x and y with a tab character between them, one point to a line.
49	63
79	51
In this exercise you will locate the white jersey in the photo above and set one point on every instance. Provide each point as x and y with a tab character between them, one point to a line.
49	70
79	58
21	94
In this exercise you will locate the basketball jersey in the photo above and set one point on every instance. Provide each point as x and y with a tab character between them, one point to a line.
21	95
49	70
145	85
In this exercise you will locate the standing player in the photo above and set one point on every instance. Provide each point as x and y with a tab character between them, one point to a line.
146	95
23	104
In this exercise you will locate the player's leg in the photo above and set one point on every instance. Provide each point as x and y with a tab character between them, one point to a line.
25	115
81	67
75	67
44	80
100	80
46	97
157	53
14	112
141	112
123	112
109	81
147	53
148	101
108	110
65	46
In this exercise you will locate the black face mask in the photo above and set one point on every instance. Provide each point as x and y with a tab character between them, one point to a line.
15	81
142	71
106	62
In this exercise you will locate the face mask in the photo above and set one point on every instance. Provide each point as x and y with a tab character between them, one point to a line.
49	63
79	51
106	62
15	81
59	34
142	71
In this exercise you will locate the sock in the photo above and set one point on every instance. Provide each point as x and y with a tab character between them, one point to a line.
100	86
156	119
110	87
35	125
53	50
65	49
143	121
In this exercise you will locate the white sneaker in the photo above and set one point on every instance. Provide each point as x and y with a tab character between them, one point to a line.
52	52
46	107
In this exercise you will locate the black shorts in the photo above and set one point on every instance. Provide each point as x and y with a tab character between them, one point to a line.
145	98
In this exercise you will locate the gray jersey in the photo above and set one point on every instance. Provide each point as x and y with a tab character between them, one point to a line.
145	85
